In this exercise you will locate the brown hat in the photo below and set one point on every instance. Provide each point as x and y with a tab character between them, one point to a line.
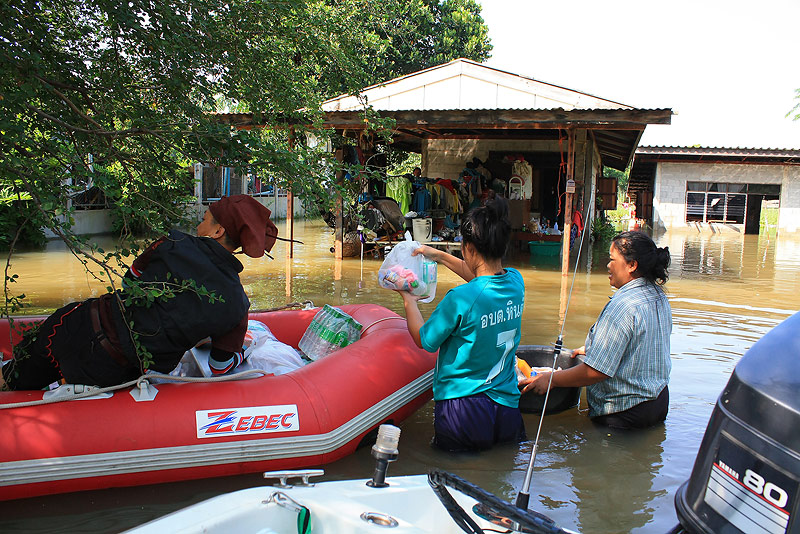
247	223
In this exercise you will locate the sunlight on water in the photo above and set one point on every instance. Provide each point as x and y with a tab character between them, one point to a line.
726	292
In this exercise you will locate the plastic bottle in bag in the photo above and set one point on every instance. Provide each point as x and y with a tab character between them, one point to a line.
429	277
330	330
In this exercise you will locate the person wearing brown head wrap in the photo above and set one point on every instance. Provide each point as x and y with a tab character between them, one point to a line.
98	342
246	222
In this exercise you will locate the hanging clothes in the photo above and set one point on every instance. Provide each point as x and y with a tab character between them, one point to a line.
399	188
421	201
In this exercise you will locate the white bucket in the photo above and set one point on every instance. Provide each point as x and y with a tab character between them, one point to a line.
423	229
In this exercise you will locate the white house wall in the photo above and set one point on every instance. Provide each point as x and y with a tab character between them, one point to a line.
669	195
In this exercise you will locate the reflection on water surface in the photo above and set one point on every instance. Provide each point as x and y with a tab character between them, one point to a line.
726	291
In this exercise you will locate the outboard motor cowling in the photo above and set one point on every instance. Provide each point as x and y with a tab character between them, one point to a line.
745	477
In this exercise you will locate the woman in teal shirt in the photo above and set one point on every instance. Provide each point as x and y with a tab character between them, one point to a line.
476	329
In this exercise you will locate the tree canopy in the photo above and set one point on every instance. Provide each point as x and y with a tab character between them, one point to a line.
120	94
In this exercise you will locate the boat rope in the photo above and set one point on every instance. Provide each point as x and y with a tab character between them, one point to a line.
524	493
141	382
373	323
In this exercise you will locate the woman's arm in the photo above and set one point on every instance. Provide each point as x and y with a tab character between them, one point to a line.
580	375
457	265
413	316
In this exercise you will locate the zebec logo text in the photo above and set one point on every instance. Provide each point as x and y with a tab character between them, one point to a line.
249	420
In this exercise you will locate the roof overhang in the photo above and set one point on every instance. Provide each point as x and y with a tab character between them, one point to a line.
616	131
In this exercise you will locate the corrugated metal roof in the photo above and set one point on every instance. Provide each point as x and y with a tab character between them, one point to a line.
719	151
511	109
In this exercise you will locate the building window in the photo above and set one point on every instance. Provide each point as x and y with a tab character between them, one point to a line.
695	207
722	202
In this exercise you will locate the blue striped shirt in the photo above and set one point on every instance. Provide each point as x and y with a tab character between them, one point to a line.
630	343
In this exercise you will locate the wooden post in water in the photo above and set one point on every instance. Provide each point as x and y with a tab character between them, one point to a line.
290	207
289	276
338	248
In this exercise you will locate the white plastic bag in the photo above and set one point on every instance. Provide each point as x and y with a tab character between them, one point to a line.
265	352
416	274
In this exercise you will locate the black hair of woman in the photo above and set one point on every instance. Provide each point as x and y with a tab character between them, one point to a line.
488	229
652	261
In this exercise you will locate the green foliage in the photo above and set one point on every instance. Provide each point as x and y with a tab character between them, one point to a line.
618	217
796	109
20	225
622	181
769	218
119	95
145	294
425	33
603	231
401	163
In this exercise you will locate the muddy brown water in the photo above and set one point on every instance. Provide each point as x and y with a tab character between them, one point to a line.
726	291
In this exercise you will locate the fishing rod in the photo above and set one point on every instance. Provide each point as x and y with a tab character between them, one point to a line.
523	497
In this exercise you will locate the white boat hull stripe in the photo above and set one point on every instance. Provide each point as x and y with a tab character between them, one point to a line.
204	454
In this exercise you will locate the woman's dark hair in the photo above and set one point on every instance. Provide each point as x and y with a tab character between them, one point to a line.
652	261
227	240
488	229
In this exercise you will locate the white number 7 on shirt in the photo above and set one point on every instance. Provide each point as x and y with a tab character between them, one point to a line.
505	340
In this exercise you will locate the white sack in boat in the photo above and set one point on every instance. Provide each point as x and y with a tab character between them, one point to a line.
267	353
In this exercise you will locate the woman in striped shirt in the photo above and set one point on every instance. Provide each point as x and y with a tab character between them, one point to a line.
627	365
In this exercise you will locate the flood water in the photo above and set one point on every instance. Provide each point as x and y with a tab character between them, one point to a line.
726	291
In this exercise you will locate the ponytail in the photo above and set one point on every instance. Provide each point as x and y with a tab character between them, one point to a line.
488	229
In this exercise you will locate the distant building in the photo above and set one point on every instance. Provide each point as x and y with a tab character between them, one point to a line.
715	189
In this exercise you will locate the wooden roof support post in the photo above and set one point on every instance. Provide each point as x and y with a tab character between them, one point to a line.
338	211
290	207
568	203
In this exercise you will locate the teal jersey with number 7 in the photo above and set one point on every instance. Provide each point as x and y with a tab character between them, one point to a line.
476	328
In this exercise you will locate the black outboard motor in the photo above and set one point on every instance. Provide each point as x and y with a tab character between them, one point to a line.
745	477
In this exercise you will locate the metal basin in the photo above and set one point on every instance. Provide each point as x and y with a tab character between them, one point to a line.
560	398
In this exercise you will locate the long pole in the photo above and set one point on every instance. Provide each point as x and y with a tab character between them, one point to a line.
523	498
568	203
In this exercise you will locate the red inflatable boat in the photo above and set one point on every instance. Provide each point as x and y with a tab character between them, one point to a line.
308	417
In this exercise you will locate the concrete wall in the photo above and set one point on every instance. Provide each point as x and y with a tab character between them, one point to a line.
669	196
88	222
96	222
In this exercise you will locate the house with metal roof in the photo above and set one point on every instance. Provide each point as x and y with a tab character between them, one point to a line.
464	111
706	189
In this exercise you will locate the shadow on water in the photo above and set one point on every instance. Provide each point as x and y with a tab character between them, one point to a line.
726	291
